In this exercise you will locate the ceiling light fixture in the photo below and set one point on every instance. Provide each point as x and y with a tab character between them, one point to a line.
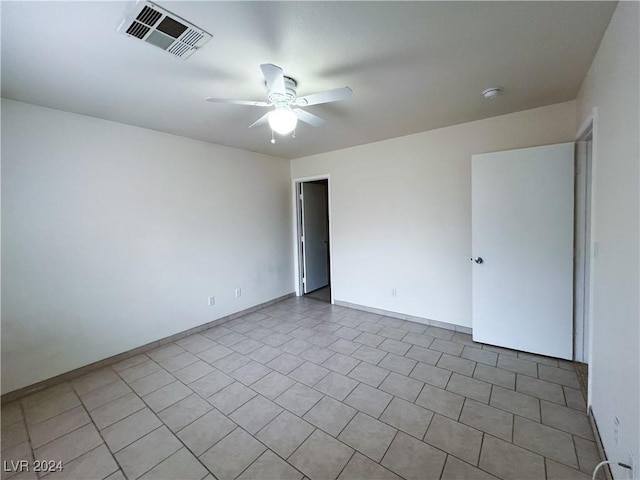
491	93
283	120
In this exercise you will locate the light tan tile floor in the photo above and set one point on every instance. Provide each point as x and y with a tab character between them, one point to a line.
304	389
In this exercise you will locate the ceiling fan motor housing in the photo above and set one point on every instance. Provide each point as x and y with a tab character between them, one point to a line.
289	96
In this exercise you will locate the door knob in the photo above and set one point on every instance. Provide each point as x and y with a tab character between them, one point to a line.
478	260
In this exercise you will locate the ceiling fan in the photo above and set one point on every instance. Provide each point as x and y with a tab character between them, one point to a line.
281	94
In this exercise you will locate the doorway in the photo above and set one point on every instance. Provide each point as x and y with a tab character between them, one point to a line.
313	234
583	244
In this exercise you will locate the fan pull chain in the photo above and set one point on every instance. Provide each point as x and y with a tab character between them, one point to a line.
294	133
273	139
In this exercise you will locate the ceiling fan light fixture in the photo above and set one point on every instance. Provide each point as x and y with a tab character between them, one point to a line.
283	120
282	95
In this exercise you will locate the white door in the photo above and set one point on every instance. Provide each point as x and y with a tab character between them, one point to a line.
522	229
315	245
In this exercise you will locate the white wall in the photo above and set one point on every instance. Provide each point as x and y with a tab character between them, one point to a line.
401	210
612	86
114	236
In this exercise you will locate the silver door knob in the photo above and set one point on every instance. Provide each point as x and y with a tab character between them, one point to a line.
478	260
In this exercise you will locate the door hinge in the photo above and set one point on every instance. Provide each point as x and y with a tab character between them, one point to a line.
304	280
302	238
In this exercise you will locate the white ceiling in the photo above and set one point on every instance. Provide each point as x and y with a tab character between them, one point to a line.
413	66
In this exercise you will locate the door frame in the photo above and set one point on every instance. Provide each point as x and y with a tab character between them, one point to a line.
582	246
297	231
589	128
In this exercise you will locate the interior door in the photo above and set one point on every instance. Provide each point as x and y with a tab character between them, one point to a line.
315	249
522	240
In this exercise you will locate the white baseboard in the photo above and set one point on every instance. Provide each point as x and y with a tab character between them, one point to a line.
410	318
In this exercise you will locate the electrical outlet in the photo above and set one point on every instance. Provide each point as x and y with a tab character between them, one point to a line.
238	292
212	301
394	292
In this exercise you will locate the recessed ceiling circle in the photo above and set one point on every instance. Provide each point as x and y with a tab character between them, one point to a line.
491	93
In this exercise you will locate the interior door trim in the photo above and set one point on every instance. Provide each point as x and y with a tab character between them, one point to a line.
296	217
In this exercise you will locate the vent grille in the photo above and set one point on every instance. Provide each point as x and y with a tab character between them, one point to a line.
148	16
138	30
158	27
192	37
172	27
179	49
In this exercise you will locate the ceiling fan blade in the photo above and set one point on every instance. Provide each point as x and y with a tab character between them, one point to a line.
334	95
237	102
261	121
274	77
310	118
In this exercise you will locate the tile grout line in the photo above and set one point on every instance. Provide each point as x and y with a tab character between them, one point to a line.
23	411
185	426
292	453
86	453
480	451
104	442
76	429
61	436
154	466
480	454
162	424
349	460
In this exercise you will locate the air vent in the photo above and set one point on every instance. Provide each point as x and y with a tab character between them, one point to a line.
158	27
148	16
